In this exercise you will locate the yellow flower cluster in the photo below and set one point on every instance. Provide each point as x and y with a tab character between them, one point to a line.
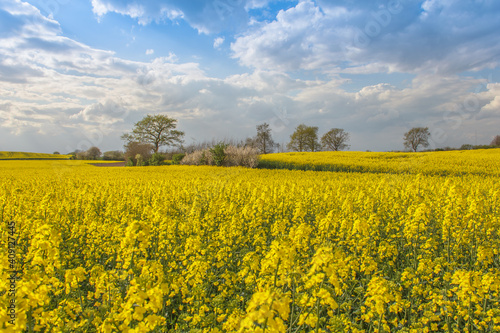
207	249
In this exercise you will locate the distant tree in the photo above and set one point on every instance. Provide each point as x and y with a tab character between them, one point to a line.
132	149
81	155
157	130
93	153
56	153
250	142
466	146
495	141
305	138
335	139
113	155
281	147
417	136
264	141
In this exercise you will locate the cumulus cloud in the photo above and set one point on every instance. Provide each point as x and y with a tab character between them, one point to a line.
445	37
108	112
52	84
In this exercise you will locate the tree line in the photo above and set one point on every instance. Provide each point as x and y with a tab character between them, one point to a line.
143	143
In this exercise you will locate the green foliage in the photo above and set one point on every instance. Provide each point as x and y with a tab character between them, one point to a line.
157	130
114	155
140	160
305	138
130	162
156	159
177	158
93	153
218	153
204	157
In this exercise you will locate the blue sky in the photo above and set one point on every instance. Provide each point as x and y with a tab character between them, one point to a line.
75	74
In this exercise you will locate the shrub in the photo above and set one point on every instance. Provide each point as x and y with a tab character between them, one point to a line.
113	155
206	158
140	160
198	157
130	162
243	156
218	153
132	149
233	156
156	159
177	158
81	155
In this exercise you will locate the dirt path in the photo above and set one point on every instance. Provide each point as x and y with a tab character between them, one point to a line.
117	164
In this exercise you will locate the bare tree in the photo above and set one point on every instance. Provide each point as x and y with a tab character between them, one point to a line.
264	141
250	142
417	136
496	141
335	139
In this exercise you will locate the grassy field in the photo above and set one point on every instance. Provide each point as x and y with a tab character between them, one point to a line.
14	155
207	249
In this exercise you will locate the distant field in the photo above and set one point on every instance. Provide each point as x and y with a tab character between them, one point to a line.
15	155
460	162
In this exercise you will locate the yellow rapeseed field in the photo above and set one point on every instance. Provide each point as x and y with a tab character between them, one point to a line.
14	155
207	249
481	161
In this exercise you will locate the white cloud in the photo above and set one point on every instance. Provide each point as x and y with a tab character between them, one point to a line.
150	51
145	12
51	84
445	37
291	42
205	16
218	42
108	112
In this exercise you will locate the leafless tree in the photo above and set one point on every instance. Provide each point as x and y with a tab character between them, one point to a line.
417	136
335	139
